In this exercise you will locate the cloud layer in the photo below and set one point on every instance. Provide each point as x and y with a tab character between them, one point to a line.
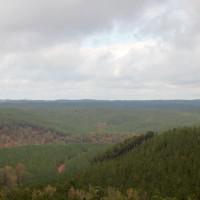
124	49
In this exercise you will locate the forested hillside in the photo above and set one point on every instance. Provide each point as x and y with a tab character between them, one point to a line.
73	150
44	164
108	117
166	164
12	135
124	147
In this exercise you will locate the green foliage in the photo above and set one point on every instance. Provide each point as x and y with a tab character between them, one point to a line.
168	164
41	161
165	167
83	117
92	193
124	147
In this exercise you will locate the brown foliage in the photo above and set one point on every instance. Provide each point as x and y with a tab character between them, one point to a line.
12	176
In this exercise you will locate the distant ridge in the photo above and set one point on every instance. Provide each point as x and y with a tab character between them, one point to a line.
106	103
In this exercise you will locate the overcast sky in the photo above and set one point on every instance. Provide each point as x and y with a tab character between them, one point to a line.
108	49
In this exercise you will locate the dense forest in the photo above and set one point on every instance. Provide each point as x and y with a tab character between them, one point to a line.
152	166
108	117
18	134
166	164
91	150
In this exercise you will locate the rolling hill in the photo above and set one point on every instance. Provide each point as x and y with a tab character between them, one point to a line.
167	164
112	117
73	150
145	167
42	162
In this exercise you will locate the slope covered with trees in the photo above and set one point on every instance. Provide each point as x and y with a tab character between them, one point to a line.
167	164
12	135
124	147
149	167
104	117
43	164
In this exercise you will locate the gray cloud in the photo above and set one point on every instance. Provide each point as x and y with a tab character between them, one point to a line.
56	20
99	49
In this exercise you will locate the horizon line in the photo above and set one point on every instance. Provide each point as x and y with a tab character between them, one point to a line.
85	99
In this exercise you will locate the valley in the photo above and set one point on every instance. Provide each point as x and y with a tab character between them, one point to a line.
92	150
